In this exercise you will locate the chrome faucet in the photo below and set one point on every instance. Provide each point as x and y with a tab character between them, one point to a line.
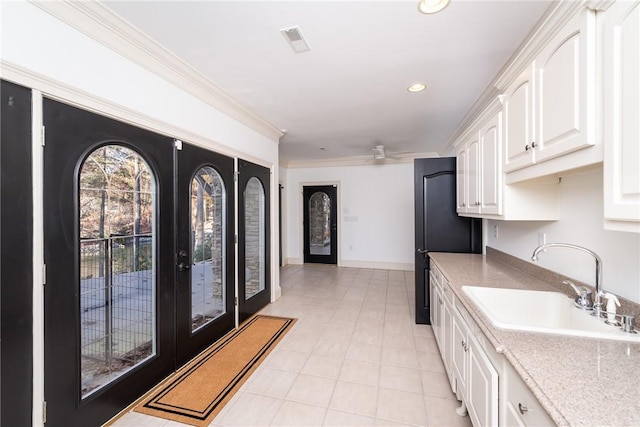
597	303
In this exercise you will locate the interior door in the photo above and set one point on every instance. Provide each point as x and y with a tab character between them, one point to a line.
109	252
320	224
205	249
254	238
438	228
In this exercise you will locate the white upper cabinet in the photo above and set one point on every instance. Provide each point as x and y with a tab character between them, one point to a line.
565	73
622	116
491	177
550	109
518	113
480	168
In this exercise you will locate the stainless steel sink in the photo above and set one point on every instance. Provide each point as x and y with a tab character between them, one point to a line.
537	311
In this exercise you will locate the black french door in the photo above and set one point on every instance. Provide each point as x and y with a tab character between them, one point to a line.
139	249
254	231
320	224
205	249
110	266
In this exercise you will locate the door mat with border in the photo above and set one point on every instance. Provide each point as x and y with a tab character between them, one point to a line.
197	392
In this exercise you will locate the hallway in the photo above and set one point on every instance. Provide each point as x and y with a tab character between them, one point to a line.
354	358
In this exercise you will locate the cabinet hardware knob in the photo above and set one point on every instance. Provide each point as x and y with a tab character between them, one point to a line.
522	408
527	148
463	204
533	144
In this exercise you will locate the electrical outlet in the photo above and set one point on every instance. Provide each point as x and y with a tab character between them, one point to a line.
542	239
495	231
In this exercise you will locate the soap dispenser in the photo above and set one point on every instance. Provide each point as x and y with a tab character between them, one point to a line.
612	302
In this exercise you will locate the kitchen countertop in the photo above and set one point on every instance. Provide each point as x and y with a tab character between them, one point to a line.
578	381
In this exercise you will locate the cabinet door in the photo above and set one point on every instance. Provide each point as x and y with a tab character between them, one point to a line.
566	89
447	336
432	300
461	180
458	346
482	385
473	175
491	166
518	122
621	109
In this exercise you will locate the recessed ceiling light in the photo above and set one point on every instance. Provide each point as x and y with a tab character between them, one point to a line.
417	87
432	6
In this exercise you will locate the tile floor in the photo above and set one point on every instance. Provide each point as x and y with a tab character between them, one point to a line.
354	358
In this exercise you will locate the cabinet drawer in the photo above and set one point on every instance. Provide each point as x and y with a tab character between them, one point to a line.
522	408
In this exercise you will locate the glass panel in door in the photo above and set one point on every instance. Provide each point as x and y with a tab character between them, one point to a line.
254	244
117	265
319	224
208	232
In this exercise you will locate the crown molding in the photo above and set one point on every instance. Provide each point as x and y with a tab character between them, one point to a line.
355	161
95	20
554	18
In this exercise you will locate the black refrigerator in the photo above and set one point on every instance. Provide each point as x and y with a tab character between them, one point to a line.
438	226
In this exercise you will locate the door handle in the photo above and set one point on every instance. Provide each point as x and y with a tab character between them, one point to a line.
422	251
183	265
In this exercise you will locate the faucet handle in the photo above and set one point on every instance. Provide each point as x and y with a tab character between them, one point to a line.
627	323
583	298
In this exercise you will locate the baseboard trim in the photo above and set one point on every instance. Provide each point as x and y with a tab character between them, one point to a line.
403	266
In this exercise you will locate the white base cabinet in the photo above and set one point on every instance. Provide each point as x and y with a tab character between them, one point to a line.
520	407
491	391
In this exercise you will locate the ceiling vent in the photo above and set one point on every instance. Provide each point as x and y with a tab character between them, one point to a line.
296	40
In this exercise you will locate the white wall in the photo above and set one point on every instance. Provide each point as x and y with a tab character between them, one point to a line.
375	204
581	223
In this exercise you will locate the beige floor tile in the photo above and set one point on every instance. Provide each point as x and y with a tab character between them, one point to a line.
136	419
298	343
442	412
430	362
403	358
399	341
401	406
308	329
405	379
340	419
287	360
422	330
251	409
403	327
355	398
427	344
360	372
311	390
436	384
323	366
364	352
271	382
368	335
298	414
331	347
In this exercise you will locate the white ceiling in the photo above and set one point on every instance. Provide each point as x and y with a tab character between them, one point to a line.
349	92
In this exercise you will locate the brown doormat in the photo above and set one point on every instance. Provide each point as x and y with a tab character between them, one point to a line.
198	391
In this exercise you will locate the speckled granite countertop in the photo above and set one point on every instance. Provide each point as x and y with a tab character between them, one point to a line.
578	381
